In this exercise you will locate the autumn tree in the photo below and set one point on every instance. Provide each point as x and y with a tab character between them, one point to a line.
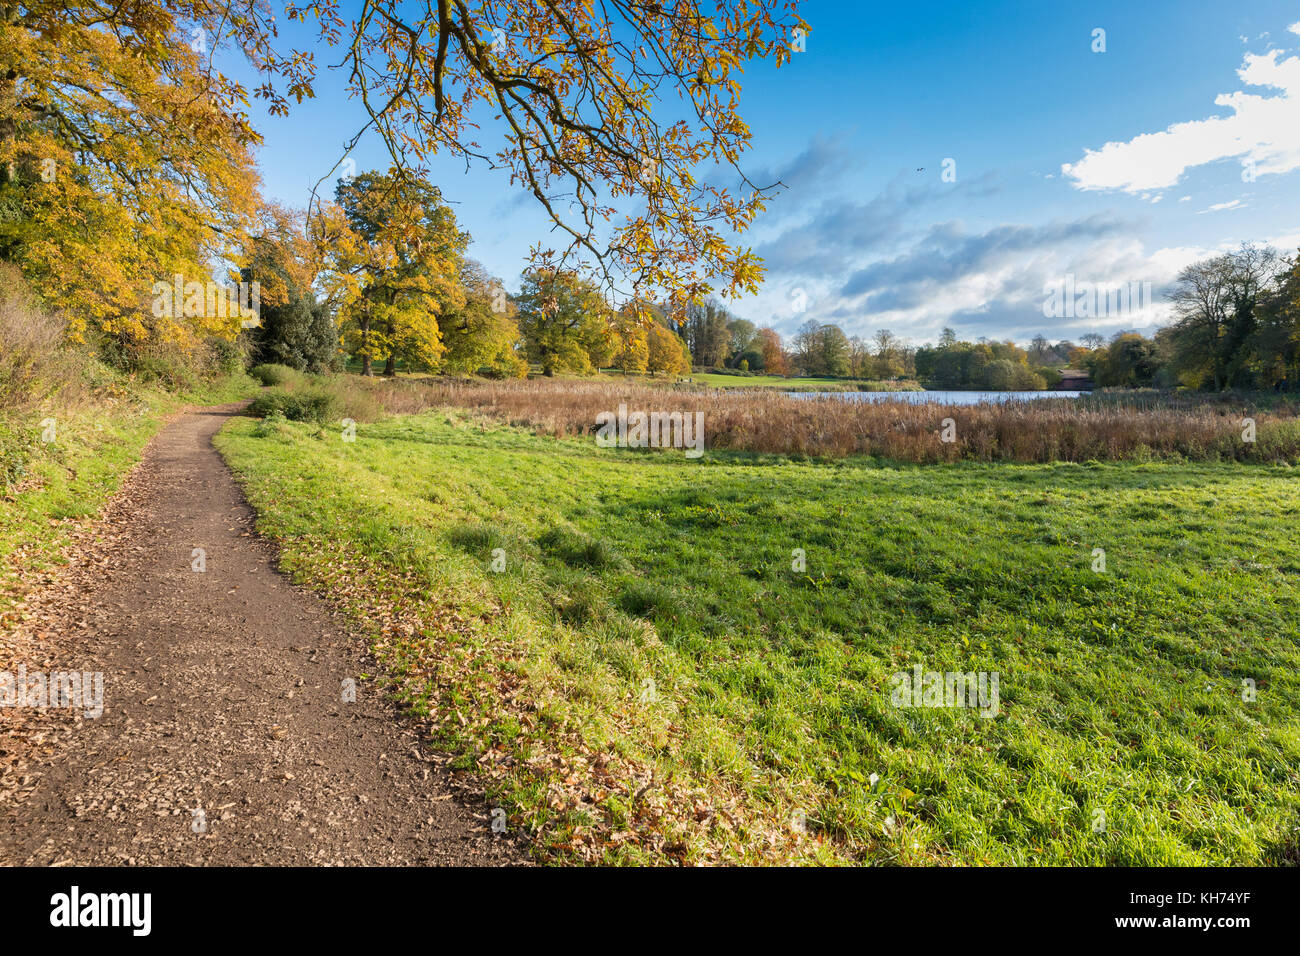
666	352
775	361
481	335
565	320
400	266
579	89
632	345
584	93
124	160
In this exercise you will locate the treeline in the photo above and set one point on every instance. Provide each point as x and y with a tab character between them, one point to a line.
719	340
1236	326
139	242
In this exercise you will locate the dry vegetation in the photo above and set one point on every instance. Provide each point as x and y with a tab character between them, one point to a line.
1039	430
34	364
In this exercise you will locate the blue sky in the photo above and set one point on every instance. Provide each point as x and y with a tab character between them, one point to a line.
1181	139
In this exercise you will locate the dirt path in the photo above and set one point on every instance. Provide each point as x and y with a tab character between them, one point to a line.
223	693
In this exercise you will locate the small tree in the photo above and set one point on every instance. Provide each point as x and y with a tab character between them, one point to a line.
667	352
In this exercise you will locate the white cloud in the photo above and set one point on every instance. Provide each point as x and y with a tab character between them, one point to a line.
1261	130
1220	206
987	283
1295	27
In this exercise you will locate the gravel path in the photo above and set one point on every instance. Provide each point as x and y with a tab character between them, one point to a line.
225	737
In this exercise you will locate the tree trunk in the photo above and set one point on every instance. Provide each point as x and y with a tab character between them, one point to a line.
390	367
365	347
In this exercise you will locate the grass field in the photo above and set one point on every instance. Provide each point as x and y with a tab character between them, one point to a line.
650	680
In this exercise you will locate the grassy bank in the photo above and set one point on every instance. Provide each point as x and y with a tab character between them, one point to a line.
649	679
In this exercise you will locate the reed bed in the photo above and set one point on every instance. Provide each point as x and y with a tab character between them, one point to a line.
769	422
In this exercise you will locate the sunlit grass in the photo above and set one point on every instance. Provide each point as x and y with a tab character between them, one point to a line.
650	610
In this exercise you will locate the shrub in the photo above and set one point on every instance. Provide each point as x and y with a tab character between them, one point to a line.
226	357
169	367
305	404
14	452
269	373
273	424
35	363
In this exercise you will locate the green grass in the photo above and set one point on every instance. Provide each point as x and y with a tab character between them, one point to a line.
648	628
57	483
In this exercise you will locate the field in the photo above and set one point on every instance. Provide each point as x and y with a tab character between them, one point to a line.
621	646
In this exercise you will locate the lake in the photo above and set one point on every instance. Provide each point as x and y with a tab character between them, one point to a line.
937	397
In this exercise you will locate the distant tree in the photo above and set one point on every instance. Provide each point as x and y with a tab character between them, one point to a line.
822	349
1214	301
740	338
480	334
888	362
861	364
564	319
667	352
1129	361
632	342
401	264
1276	342
775	361
299	333
1040	350
294	329
709	337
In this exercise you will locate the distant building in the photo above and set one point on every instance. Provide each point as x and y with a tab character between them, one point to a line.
1074	380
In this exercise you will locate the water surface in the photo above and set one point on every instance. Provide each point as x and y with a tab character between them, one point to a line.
938	397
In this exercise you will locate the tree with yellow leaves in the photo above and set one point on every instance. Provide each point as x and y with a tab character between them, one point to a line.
565	321
123	163
481	335
581	90
398	263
